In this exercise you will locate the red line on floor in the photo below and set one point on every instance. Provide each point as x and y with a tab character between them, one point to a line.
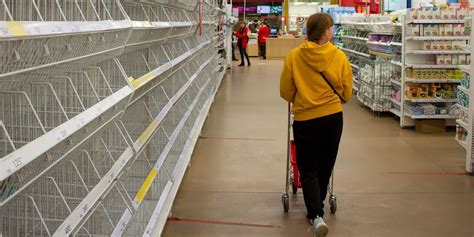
175	219
237	138
431	173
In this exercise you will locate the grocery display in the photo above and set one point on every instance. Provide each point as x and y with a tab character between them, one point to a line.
101	103
372	44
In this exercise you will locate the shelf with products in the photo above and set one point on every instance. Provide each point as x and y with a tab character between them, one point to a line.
437	52
354	51
423	81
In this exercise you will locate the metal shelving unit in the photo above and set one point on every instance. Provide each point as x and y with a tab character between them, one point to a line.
376	71
102	103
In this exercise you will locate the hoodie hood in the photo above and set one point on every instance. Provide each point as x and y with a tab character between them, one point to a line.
318	56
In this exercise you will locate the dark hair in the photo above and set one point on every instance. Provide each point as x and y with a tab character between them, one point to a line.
255	21
265	23
317	24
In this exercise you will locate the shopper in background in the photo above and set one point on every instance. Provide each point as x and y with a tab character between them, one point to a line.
317	80
242	41
263	34
253	26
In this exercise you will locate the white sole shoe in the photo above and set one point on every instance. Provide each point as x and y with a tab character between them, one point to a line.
321	230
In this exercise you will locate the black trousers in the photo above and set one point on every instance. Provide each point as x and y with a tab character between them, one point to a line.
317	144
263	50
243	53
233	53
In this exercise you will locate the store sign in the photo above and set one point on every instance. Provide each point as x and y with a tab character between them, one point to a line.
263	9
235	12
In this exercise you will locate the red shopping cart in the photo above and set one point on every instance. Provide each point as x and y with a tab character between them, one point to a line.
293	175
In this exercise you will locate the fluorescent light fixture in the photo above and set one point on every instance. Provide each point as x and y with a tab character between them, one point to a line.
313	3
298	3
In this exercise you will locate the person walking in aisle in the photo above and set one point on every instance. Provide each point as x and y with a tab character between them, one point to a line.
263	34
317	80
242	41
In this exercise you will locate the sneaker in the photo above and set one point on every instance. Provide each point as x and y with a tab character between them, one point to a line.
320	229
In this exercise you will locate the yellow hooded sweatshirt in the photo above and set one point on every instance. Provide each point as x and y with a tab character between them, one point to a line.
302	85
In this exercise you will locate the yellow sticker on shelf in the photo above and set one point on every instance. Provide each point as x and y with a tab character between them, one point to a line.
146	185
16	28
147	133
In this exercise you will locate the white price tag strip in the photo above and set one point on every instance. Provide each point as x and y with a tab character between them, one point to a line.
26	28
87	204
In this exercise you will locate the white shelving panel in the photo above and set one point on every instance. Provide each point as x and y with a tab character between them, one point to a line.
410	80
113	96
466	121
437	52
438	38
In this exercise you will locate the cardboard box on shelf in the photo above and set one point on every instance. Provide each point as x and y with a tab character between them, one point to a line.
430	126
442	30
462	59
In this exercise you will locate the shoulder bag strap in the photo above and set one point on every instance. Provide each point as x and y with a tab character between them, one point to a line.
332	87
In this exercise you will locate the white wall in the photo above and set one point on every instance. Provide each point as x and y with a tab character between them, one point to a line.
302	10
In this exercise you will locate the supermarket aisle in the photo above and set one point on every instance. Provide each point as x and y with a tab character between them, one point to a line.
390	182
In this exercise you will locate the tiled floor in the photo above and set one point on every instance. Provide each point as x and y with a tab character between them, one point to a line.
390	181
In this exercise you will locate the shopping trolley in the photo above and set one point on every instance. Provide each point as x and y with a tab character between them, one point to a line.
293	175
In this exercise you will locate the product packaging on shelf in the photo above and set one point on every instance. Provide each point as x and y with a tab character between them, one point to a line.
448	29
440	59
413	14
458	45
442	31
426	30
442	45
427	45
449	45
452	13
434	30
436	11
462	13
455	59
448	59
414	30
435	45
458	29
445	13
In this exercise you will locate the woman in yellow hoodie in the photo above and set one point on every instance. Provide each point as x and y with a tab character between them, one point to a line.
317	80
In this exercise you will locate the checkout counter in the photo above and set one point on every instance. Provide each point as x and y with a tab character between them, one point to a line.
278	48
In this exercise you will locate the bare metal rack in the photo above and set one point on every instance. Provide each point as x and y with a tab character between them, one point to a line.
101	103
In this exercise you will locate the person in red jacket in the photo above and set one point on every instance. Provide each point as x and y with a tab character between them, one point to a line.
242	41
263	34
